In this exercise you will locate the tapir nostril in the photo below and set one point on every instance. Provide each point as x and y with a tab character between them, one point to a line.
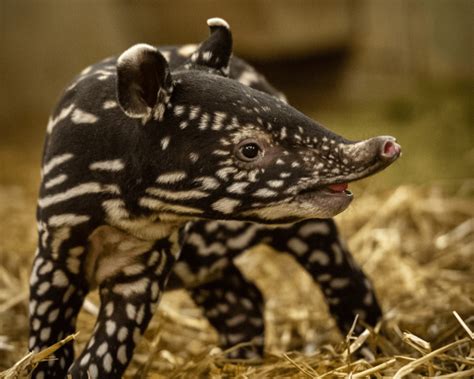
390	149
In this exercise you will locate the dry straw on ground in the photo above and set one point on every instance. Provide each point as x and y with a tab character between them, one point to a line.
417	244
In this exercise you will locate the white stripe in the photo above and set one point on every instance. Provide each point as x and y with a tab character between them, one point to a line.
148	202
56	161
112	165
82	189
67	219
177	195
55	181
171	177
81	117
61	116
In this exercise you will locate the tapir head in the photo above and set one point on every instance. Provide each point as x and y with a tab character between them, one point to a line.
215	148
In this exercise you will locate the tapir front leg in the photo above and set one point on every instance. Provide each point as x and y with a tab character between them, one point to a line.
57	291
316	245
128	299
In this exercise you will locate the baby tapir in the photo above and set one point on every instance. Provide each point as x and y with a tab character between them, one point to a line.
138	147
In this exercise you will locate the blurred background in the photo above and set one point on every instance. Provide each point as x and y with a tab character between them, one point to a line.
360	67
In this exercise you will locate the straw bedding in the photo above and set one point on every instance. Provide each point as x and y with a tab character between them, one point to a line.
416	243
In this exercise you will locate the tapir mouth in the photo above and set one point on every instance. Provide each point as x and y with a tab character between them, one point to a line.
336	190
338	185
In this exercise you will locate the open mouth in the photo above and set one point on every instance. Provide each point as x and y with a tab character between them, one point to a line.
339	189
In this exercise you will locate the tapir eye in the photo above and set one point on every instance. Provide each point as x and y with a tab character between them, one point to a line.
249	151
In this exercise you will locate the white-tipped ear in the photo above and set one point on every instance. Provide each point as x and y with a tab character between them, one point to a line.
216	50
144	82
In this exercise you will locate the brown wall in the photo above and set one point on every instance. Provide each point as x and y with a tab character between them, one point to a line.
391	43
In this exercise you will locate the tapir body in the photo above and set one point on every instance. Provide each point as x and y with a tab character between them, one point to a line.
139	150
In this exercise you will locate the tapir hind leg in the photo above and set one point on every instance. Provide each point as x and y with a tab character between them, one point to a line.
234	307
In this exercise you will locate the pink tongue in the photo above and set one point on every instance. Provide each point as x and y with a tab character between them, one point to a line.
338	187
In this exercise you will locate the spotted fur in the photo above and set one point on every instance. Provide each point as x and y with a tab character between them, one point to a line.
141	145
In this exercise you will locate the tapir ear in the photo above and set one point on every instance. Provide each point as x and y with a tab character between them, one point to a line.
144	83
215	52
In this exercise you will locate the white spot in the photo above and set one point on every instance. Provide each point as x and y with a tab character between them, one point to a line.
208	182
85	359
224	173
122	354
55	181
82	117
320	257
246	303
275	183
298	246
338	254
60	279
131	311
47	267
236	320
36	324
171	177
165	141
194	112
131	288
264	192
204	121
338	283
73	264
93	371
109	104
193	157
56	161
206	56
45	334
140	314
43	288
109	309
112	165
53	315
225	205
102	349
154	291
237	187
122	334
178	110
219	117
86	70
110	327
108	362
